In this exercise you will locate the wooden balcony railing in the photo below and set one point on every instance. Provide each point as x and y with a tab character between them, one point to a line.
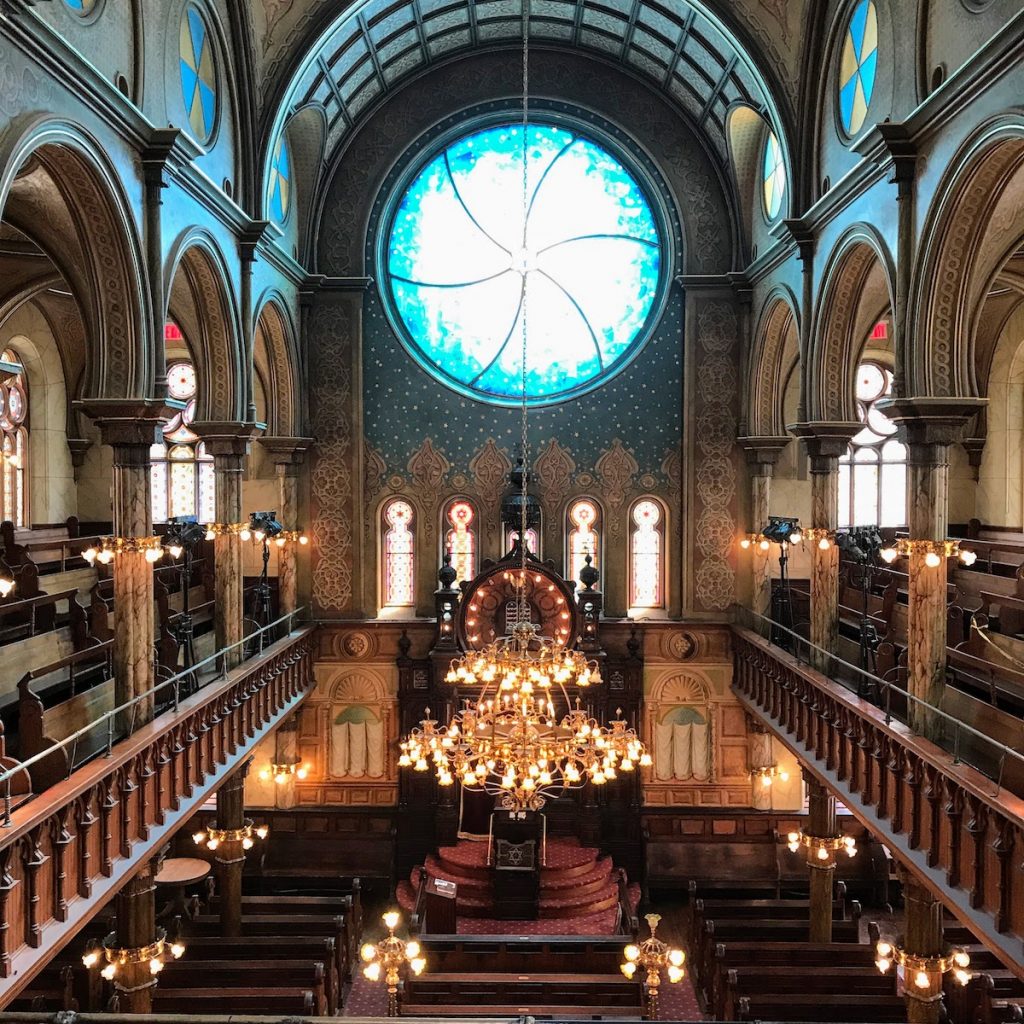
956	829
68	851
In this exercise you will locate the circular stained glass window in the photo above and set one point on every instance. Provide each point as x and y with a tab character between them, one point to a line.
181	381
464	272
83	8
858	66
773	176
198	71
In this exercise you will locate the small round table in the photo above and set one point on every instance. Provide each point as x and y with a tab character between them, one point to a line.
181	872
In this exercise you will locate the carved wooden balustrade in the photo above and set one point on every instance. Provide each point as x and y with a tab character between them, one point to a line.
66	853
951	825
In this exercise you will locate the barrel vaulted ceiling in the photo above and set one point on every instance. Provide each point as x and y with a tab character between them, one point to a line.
346	63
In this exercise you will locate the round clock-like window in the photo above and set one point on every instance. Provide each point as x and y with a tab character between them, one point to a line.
463	273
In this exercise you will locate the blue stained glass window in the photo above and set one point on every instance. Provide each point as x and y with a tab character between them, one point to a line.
463	270
858	66
198	73
280	181
773	176
81	7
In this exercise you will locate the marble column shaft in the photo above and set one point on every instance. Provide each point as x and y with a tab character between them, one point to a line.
760	504
230	857
134	611
286	752
927	494
288	506
824	562
821	821
136	927
227	555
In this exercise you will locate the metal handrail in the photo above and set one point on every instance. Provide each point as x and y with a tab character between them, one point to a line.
886	688
108	717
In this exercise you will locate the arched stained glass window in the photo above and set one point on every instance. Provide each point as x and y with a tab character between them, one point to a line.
582	536
461	267
532	540
398	554
873	472
858	66
647	555
460	538
773	176
181	472
83	8
280	190
198	69
14	444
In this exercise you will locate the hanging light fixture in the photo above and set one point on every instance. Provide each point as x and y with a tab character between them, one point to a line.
511	740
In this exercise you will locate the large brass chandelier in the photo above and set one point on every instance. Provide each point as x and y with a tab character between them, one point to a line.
510	741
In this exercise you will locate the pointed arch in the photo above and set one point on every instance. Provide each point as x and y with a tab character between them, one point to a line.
202	302
856	289
276	355
59	187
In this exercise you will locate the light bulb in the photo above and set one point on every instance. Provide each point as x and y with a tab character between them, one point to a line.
175	550
391	919
91	959
262	831
198	838
153	554
156	966
417	965
745	543
212	844
105	557
628	969
968	557
822	853
244	534
259	535
303	539
888	554
962	977
675	974
784	776
302	772
795	537
764	545
210	533
372	971
368	951
6	586
921	979
884	949
793	837
766	781
932	560
676	957
883	965
824	544
631	953
177	950
247	843
412	949
264	774
90	554
108	972
280	541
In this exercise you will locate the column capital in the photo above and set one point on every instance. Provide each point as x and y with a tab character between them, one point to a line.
129	422
826	442
227	438
763	452
931	421
286	451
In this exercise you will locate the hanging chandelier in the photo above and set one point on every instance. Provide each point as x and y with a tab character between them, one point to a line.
510	740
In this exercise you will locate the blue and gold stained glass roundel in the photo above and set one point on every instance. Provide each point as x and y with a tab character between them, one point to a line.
858	66
463	270
198	73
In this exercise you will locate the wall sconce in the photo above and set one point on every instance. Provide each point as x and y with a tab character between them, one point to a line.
110	547
155	954
823	537
754	540
281	773
924	972
934	551
768	774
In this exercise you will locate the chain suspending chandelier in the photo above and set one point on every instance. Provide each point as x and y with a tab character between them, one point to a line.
510	741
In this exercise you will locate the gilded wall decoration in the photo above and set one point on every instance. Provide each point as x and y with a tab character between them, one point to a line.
616	469
375	470
331	477
489	467
715	527
553	473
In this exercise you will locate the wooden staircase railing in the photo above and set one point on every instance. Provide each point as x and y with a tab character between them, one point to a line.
66	853
958	831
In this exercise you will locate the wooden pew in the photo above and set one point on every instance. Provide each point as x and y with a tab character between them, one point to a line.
262	1001
501	994
56	700
50	991
270	950
234	975
835	979
555	954
820	1007
285	927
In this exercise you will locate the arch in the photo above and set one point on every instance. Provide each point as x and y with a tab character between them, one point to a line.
967	235
856	287
647	564
747	135
202	303
584	534
276	356
776	344
460	536
397	525
59	187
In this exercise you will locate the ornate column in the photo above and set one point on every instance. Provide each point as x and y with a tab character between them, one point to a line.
922	937
762	455
287	454
821	822
136	929
131	428
228	443
230	856
928	427
826	443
